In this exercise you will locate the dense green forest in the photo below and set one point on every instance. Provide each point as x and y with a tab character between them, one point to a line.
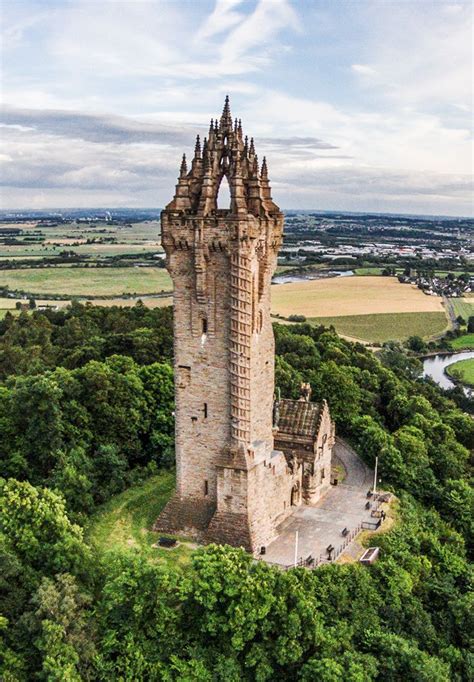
86	410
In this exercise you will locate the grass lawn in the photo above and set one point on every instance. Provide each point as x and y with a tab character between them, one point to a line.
351	296
87	281
463	307
465	341
386	326
368	271
124	522
462	371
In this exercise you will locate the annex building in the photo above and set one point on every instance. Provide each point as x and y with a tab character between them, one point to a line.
244	460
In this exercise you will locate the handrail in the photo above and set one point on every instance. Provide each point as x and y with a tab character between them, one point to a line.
323	559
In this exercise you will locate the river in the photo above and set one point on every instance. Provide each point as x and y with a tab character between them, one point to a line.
434	368
289	278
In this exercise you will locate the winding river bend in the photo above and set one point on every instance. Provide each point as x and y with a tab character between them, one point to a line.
434	368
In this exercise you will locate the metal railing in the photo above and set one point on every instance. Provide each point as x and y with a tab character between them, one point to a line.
314	562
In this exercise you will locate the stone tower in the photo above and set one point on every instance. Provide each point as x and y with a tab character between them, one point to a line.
231	482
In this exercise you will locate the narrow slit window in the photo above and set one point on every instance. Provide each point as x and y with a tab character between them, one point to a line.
206	487
204	325
205	410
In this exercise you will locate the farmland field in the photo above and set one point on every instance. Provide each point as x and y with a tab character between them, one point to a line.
351	296
373	309
386	326
69	281
463	307
4	311
104	240
462	371
364	272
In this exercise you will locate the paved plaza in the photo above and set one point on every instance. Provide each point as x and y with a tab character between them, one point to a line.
322	524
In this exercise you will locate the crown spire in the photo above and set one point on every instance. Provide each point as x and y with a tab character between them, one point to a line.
226	118
184	167
225	151
197	148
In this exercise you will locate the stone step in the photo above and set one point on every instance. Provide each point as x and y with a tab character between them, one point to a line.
185	515
231	529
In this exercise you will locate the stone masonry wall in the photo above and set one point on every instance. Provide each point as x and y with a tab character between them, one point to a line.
202	374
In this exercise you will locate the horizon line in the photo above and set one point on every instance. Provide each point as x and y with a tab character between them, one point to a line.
296	210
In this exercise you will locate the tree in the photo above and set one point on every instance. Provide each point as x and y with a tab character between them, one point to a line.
457	502
140	618
398	659
411	444
336	385
158	392
36	420
416	344
36	528
287	379
61	627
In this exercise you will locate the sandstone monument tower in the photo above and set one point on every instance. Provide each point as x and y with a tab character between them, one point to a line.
233	486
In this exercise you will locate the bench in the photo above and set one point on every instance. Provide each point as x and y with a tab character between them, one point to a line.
166	542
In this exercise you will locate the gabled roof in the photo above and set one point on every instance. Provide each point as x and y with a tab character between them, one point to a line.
299	418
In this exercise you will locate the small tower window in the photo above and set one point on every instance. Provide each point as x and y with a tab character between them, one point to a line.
204	325
205	410
206	487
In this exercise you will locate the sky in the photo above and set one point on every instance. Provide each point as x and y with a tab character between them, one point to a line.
358	106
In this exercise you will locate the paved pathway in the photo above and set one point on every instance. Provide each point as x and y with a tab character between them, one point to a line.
320	525
357	473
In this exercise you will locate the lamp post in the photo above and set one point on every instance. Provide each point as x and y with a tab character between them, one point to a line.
296	549
375	475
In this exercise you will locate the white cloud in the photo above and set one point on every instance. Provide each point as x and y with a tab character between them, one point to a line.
222	18
131	83
363	69
258	30
421	52
53	156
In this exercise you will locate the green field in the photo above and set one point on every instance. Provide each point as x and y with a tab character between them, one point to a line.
463	307
386	326
363	272
124	522
465	341
462	371
141	238
373	270
67	281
